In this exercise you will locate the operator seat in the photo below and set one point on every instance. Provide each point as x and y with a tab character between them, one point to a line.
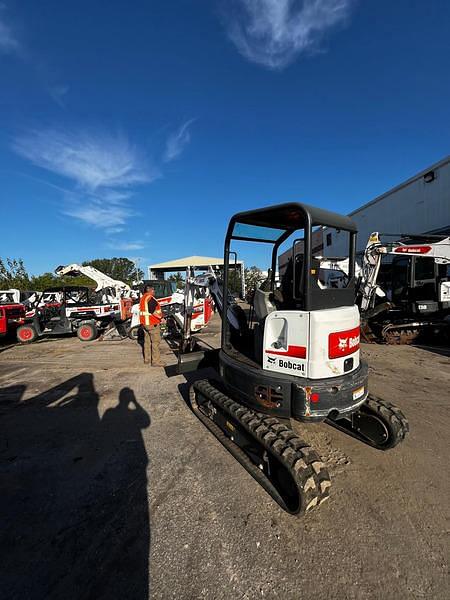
263	303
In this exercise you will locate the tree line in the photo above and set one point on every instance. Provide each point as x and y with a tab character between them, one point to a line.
14	275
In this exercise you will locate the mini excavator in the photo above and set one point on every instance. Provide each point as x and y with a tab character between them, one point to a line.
299	359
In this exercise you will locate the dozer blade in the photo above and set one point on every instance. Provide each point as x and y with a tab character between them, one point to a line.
200	359
190	361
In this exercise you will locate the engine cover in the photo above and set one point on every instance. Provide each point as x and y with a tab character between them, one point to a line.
317	344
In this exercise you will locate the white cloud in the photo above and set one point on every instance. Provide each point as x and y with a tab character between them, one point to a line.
91	160
93	212
177	141
126	245
8	40
273	33
114	230
103	170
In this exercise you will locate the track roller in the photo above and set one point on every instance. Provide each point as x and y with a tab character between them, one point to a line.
286	467
377	423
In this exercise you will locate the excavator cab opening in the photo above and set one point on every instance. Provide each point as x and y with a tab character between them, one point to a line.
300	287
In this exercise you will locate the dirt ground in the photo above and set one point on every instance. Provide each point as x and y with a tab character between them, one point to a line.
111	488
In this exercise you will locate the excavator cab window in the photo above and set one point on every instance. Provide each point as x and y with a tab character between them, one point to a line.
401	268
292	284
424	269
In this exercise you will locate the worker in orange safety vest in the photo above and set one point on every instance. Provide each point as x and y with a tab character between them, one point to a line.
150	316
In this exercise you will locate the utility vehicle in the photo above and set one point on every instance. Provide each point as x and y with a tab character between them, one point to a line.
79	311
12	311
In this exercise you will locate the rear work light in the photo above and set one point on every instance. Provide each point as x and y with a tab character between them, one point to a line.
343	343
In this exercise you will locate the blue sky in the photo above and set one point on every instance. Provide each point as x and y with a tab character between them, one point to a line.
137	129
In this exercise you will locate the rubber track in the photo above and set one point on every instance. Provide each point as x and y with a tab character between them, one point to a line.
303	463
391	414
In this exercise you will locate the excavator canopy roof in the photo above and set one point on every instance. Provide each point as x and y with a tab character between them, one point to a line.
271	223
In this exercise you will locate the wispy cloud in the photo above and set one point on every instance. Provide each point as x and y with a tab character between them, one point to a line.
8	39
91	160
103	169
273	33
127	246
92	212
114	230
58	93
11	43
177	141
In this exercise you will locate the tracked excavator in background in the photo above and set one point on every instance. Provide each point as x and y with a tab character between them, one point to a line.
172	302
299	360
407	298
402	288
201	293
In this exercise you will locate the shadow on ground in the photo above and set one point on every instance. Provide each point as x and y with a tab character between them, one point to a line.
73	502
440	350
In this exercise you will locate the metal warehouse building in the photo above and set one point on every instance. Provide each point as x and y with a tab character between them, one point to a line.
419	205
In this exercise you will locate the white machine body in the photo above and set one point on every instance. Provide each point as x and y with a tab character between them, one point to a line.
317	344
10	296
100	310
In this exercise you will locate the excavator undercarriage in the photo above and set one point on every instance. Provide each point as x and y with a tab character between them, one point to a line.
286	466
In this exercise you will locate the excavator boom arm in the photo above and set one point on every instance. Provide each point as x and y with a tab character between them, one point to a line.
103	281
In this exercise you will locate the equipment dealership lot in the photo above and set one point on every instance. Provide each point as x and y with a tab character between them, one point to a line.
111	486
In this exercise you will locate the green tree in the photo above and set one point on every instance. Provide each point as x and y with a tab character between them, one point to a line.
13	274
234	281
44	281
122	268
253	277
178	278
48	280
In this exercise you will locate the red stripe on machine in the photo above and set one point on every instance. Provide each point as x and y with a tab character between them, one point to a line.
412	249
343	343
294	351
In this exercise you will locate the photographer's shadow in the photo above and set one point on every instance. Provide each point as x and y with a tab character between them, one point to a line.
74	495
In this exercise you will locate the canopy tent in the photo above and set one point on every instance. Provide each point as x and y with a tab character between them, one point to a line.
199	263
